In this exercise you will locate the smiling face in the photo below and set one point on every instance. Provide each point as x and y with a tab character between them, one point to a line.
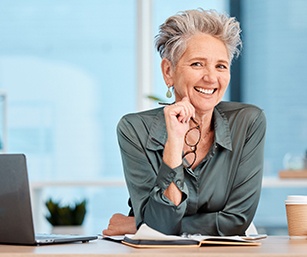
202	73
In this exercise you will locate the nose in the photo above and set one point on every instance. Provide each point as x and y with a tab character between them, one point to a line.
210	76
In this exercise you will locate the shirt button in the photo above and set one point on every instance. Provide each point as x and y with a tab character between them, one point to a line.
178	183
172	174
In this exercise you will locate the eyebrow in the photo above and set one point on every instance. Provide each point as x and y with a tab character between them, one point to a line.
205	59
223	61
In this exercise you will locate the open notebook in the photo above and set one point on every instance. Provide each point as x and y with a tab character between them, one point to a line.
16	221
147	237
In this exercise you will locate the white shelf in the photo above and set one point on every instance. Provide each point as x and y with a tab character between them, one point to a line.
39	185
267	182
275	182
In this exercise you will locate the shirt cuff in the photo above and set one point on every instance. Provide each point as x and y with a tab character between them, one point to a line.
168	175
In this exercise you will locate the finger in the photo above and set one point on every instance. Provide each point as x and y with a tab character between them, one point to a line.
185	112
180	113
190	110
106	232
109	231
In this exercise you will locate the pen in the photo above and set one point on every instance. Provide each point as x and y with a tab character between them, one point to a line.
161	103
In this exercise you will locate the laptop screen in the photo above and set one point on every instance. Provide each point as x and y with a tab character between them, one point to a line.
15	206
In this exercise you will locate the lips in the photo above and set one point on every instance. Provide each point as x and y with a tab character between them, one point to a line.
205	91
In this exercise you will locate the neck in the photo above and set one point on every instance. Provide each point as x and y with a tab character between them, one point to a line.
205	122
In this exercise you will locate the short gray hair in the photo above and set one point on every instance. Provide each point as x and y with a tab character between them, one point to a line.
176	30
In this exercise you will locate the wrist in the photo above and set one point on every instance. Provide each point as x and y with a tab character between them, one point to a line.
172	155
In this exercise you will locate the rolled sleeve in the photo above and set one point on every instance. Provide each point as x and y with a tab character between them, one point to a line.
167	175
160	206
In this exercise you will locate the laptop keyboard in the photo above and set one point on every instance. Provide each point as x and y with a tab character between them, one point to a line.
50	236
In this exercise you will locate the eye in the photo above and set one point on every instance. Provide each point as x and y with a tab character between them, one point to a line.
222	66
197	64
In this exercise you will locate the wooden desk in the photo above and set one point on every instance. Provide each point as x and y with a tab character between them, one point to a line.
273	246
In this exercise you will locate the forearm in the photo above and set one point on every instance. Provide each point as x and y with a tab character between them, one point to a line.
172	158
173	194
163	215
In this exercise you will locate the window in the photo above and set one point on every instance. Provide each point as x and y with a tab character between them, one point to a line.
275	38
68	68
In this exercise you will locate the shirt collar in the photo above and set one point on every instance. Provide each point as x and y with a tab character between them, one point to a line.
158	134
222	129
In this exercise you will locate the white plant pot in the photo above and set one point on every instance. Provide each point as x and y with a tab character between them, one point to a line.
75	230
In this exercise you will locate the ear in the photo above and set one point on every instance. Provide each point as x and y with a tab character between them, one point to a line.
167	71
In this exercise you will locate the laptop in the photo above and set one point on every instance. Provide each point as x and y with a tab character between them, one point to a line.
16	220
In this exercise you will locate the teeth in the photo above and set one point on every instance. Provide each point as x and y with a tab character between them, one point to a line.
206	91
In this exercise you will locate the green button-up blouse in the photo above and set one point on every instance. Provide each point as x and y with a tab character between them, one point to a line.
220	196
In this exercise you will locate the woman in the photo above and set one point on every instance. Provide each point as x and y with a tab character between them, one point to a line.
196	165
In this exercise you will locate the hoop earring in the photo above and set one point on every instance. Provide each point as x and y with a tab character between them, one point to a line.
169	92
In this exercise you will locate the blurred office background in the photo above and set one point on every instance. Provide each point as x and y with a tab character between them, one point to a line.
69	69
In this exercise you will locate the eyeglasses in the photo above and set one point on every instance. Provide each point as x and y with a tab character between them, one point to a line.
192	144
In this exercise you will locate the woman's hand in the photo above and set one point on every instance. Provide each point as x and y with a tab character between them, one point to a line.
120	224
177	117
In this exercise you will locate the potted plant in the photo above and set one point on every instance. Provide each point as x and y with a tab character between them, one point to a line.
67	219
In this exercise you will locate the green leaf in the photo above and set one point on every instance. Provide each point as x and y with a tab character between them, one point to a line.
65	215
